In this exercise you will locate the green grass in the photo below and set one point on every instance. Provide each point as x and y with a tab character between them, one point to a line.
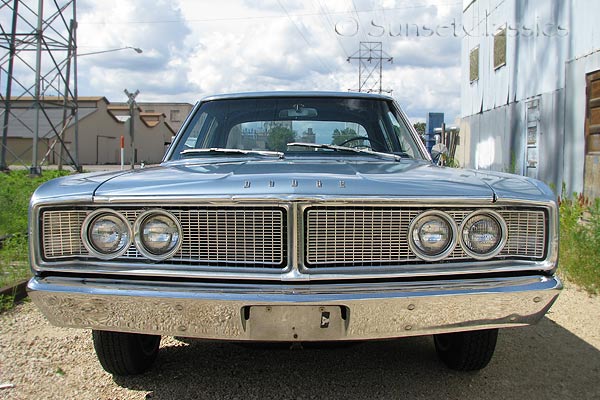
580	242
16	189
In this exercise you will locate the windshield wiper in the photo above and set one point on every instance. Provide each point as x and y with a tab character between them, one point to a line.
232	151
335	147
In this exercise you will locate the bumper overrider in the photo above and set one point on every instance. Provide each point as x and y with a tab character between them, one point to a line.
294	312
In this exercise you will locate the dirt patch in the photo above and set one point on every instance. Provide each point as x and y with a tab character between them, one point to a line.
558	358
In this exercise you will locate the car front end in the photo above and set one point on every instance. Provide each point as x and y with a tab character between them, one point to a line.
320	244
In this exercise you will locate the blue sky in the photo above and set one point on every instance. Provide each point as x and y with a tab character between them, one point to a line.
196	48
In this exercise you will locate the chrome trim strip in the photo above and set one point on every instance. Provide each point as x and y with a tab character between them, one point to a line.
337	200
286	199
416	138
216	311
297	274
178	137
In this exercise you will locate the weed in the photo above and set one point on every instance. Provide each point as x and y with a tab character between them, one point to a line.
6	302
16	189
580	241
451	162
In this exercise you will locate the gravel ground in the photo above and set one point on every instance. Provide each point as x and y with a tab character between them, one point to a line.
558	358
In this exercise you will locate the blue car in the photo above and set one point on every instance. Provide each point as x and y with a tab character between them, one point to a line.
294	217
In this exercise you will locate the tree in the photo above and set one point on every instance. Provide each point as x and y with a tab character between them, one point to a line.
279	137
419	127
340	137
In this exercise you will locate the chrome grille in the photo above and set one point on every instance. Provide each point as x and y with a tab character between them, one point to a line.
232	236
363	236
212	236
351	235
526	233
61	233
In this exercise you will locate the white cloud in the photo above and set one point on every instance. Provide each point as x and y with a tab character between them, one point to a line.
195	48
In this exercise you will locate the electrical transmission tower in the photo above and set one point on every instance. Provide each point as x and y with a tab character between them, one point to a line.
370	56
38	81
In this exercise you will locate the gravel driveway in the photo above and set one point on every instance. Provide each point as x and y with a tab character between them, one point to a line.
558	358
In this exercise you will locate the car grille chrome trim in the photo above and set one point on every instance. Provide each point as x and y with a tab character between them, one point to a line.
251	237
371	236
241	236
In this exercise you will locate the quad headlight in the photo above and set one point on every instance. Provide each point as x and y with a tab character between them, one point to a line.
157	234
483	234
432	235
106	234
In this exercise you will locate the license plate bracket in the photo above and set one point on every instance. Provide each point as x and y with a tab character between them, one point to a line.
295	323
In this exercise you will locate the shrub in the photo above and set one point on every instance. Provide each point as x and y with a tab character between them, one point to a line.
580	242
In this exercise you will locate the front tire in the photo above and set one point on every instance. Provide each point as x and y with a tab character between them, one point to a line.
125	353
466	351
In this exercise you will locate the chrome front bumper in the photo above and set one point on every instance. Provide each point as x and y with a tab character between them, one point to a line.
301	312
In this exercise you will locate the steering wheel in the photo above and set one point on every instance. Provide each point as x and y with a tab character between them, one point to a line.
361	138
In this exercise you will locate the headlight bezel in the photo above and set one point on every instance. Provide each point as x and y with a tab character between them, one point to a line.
87	225
138	232
497	248
414	247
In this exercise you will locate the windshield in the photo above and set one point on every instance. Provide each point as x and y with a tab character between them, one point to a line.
284	124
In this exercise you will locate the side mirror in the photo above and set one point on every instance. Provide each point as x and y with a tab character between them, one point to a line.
438	150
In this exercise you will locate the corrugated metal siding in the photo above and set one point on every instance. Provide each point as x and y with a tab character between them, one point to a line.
552	69
534	61
505	128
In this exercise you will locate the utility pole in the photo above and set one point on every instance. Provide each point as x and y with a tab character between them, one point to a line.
35	169
7	98
36	51
132	106
370	56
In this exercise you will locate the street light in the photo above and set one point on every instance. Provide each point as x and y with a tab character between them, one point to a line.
136	49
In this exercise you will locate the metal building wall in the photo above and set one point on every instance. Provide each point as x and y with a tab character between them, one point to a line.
544	66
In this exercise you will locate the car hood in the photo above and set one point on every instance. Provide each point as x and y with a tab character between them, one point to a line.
314	178
293	179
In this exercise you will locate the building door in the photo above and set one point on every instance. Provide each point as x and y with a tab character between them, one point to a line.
591	178
107	150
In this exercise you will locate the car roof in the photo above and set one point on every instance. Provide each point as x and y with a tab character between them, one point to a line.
284	94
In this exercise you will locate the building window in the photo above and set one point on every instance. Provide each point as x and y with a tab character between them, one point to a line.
474	64
174	117
500	48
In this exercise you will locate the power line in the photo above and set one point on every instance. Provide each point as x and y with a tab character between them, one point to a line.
304	37
262	17
361	31
325	13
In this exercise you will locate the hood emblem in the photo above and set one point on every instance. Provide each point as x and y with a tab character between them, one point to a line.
319	184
